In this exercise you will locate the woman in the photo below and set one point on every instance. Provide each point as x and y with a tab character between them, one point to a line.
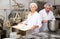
33	19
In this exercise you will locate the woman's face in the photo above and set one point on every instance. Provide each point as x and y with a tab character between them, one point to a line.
33	8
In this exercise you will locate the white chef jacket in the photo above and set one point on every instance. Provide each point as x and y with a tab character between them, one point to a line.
34	19
46	16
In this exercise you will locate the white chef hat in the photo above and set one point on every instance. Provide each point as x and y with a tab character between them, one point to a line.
33	4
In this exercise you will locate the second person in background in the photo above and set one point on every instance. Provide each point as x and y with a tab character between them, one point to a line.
46	15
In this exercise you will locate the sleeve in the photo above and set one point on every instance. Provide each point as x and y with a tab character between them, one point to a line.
39	21
41	14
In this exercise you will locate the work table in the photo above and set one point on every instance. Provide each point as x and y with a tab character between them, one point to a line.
57	17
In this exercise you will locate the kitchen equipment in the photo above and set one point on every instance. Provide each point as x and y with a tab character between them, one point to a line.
52	25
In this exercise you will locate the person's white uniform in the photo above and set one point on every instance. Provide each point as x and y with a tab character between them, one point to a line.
46	16
32	20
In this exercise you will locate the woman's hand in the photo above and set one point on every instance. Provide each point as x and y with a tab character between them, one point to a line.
34	27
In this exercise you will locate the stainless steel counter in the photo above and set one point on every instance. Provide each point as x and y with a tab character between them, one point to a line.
58	16
44	35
